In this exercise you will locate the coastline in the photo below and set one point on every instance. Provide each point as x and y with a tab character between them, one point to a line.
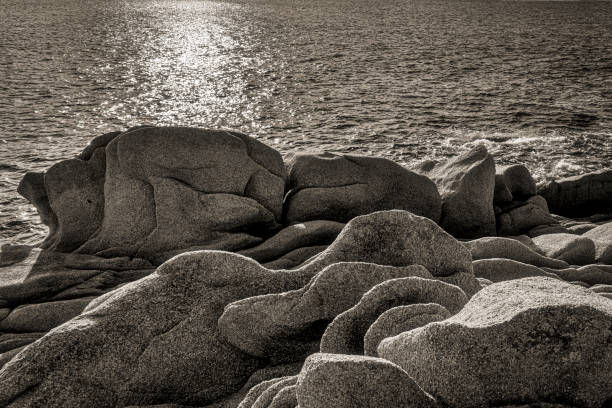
230	267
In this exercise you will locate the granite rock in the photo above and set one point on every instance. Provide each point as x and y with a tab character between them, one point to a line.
345	334
341	381
400	319
508	248
467	185
341	187
573	249
526	340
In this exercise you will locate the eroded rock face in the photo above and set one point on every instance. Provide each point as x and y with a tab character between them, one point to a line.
345	334
501	269
280	323
519	181
396	238
602	238
341	187
523	218
151	341
498	247
178	188
400	319
69	197
153	192
573	249
341	381
526	340
581	195
467	184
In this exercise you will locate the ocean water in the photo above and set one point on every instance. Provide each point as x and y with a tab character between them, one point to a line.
407	80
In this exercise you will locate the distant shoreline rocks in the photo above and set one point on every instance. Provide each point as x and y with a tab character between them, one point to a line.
194	267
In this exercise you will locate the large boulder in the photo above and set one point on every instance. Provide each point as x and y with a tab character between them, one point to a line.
522	218
580	195
345	334
341	187
467	184
275	324
573	249
519	181
602	238
69	197
508	248
153	192
341	381
525	341
151	341
396	238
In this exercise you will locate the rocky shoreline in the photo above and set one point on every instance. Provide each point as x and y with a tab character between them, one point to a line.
191	267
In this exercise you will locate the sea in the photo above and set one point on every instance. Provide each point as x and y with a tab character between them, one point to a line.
408	80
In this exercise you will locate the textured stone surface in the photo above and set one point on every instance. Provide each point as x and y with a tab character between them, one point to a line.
41	317
501	194
499	269
498	247
526	340
341	187
151	341
396	238
581	195
307	234
467	184
31	274
261	395
345	334
285	398
275	324
400	319
591	274
10	341
573	249
340	381
69	197
521	219
295	258
173	188
602	238
519	181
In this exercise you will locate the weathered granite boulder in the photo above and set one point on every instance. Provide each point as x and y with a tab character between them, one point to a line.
150	341
341	381
501	193
307	234
341	187
519	181
400	319
581	195
280	323
467	184
69	197
602	238
573	249
498	247
527	340
523	218
396	238
40	317
262	395
345	334
152	192
499	270
590	274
